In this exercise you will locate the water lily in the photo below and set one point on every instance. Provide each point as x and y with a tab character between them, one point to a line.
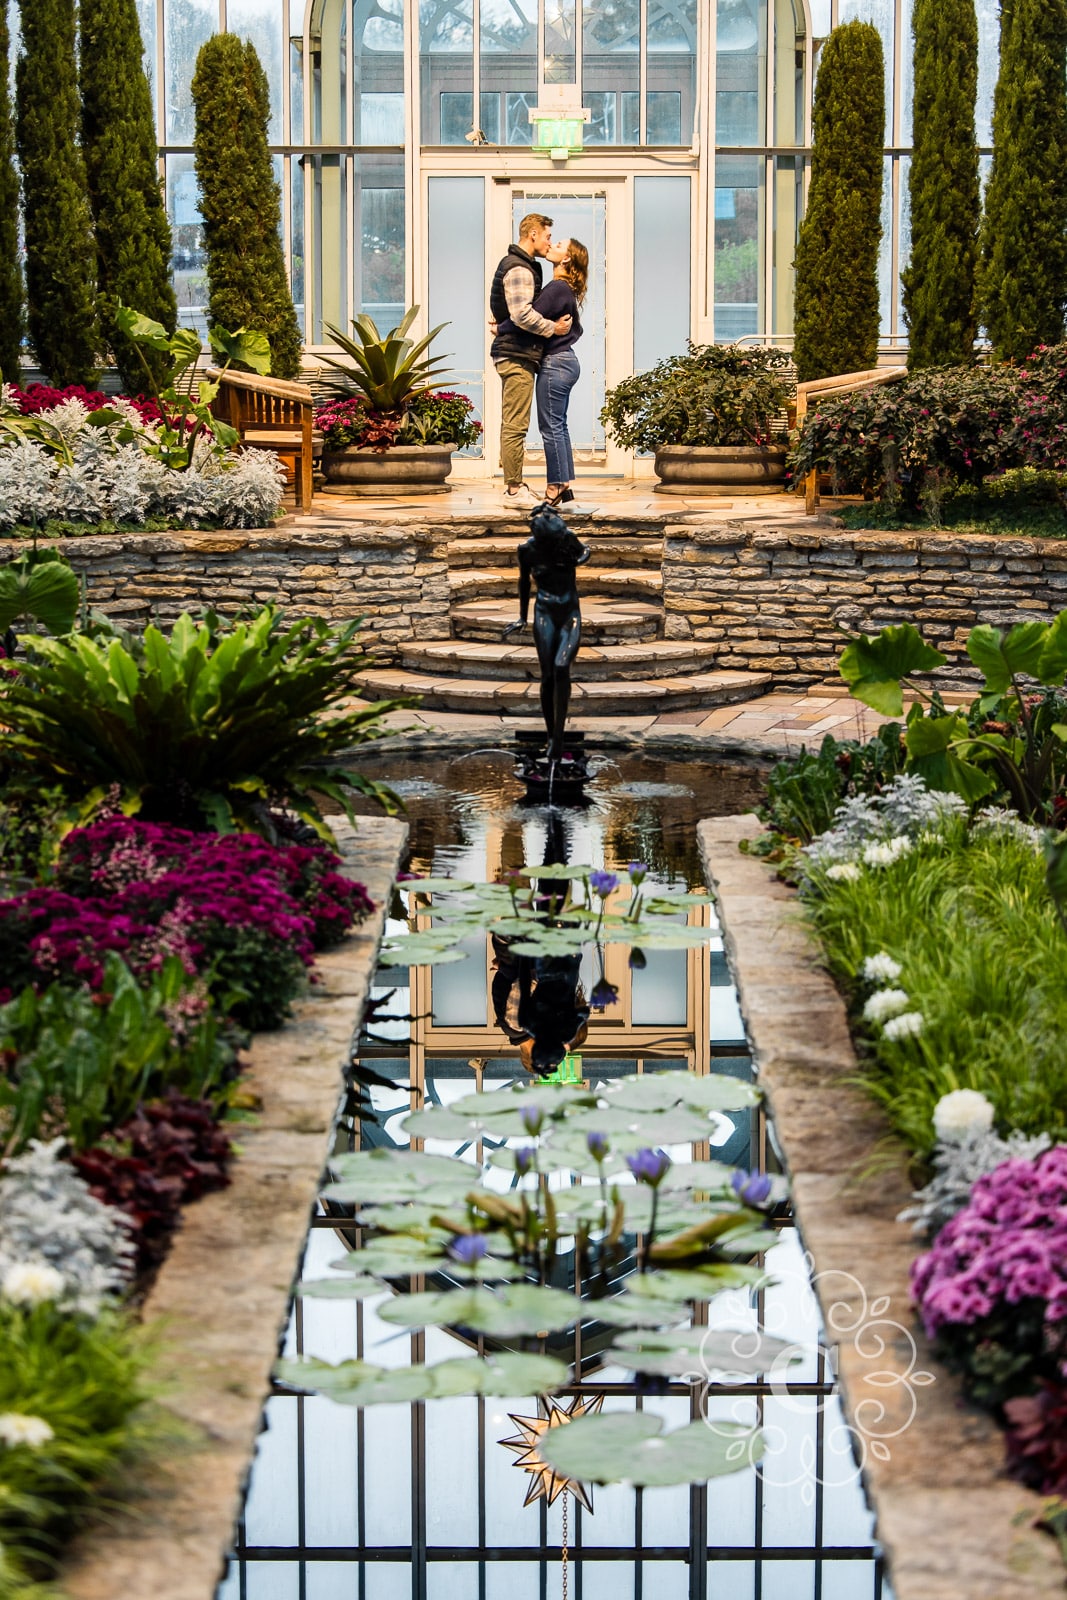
638	959
525	1159
603	995
532	1118
467	1249
752	1188
649	1166
603	883
597	1145
638	871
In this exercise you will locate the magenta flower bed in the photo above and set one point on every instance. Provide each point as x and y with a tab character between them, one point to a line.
38	397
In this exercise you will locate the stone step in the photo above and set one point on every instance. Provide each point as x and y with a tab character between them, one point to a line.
609	550
603	621
637	583
517	660
702	691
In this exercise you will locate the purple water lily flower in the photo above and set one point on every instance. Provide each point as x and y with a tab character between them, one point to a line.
602	883
597	1145
638	871
467	1249
525	1159
753	1188
649	1166
604	994
638	959
532	1118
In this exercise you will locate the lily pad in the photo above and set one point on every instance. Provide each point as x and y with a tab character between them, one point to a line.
355	1288
551	942
635	1311
700	1283
415	954
359	1383
556	869
521	1308
370	1177
439	1122
698	1352
631	1447
654	1091
435	886
643	1129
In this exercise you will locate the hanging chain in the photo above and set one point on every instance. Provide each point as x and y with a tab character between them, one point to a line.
566	1502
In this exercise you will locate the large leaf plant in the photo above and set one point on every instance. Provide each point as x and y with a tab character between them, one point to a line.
388	370
1011	741
216	724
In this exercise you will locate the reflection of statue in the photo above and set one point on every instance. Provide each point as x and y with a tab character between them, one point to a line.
551	554
551	1015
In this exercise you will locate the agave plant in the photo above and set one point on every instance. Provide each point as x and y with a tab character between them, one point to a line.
215	724
391	370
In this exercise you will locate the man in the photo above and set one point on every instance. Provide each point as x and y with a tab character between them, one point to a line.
517	351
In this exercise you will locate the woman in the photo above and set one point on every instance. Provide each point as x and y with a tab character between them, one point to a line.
559	370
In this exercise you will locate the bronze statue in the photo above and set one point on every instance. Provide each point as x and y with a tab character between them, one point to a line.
551	555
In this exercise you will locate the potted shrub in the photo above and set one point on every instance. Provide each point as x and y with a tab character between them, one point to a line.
714	419
388	429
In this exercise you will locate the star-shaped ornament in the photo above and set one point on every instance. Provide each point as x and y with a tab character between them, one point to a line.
545	1481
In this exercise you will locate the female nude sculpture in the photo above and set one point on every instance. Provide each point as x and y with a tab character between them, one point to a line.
551	555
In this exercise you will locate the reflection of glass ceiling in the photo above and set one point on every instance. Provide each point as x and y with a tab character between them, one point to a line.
419	1501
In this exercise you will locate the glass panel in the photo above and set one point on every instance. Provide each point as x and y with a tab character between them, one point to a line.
907	79
740	72
611	66
737	247
446	69
378	206
662	254
988	57
146	16
663	117
788	73
560	41
189	262
882	14
787	199
672	46
886	286
904	237
378	66
658	992
509	65
261	21
456	228
185	27
299	260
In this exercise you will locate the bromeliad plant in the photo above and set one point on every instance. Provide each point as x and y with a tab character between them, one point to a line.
500	1265
386	391
1013	739
217	723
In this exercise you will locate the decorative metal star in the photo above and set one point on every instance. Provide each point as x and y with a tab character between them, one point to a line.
545	1480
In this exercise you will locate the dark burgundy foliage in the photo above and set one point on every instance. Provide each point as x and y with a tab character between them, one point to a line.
1037	1438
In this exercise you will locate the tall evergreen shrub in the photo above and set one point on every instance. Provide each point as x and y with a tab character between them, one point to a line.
119	143
836	323
60	250
1023	274
939	282
11	312
240	200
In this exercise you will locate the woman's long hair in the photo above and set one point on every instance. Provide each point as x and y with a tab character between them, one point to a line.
576	270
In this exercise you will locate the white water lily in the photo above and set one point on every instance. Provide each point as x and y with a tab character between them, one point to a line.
960	1114
31	1283
905	1026
886	1003
881	968
17	1428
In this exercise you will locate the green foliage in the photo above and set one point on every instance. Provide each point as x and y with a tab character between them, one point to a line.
85	1380
32	822
440	417
1023	502
939	280
804	793
390	370
717	394
836	321
12	313
121	162
1022	280
41	585
213	724
984	961
60	250
81	1063
240	199
256	977
1013	741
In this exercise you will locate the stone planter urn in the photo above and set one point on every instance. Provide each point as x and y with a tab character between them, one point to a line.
720	469
403	469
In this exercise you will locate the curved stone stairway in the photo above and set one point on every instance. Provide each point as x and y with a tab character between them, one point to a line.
625	665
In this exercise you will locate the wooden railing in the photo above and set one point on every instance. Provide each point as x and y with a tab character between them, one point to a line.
270	414
810	394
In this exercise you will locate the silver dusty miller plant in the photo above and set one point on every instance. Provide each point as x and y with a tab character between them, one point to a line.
958	1165
906	808
48	1216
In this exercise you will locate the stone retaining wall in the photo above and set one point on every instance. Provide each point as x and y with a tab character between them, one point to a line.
776	601
395	578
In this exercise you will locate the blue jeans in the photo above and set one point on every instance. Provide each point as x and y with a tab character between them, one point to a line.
556	377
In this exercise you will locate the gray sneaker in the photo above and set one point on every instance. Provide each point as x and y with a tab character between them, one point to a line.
523	496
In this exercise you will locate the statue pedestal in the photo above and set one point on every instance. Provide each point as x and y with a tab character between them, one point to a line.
564	781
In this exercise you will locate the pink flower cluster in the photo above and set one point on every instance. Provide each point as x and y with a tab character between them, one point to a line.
38	397
1007	1245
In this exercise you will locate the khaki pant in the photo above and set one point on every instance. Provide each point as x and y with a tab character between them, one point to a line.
518	381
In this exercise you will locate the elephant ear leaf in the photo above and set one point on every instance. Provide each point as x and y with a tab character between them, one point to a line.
1052	662
1000	657
873	664
932	754
47	592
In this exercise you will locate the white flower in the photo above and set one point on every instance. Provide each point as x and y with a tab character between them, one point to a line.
843	872
17	1428
960	1114
886	851
881	968
885	1003
906	1026
31	1283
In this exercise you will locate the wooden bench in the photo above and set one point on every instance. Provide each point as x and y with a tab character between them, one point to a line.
270	414
809	396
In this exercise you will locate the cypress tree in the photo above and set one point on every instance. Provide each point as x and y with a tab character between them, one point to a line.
939	281
119	143
836	321
60	251
1022	283
240	200
11	322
